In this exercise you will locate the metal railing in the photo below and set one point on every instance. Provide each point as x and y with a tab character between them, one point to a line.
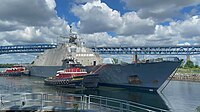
121	105
60	102
41	101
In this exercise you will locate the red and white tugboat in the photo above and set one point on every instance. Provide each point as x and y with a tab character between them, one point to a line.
16	70
73	77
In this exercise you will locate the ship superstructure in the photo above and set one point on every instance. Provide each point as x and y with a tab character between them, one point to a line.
66	51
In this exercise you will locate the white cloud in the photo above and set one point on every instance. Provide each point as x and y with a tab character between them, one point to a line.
159	9
132	24
5	42
6	25
17	58
84	1
180	31
30	22
174	34
189	28
27	22
98	17
28	12
184	44
35	34
195	59
51	4
103	39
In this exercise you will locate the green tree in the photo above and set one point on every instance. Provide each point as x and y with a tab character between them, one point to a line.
189	64
6	65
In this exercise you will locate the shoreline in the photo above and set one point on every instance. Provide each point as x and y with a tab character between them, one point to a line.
192	77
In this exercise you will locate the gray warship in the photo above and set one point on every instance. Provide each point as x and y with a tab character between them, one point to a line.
149	75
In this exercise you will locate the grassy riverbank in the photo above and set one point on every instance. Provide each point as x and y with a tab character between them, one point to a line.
189	70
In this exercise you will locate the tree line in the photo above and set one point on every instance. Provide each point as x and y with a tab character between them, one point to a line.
190	64
6	65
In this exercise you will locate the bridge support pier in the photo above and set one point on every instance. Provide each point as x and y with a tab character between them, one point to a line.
135	58
188	57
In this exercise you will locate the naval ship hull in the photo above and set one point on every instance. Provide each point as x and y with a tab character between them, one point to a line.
141	75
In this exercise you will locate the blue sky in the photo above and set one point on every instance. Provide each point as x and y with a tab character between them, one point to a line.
63	8
101	22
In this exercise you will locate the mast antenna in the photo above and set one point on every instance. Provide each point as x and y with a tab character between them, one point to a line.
70	31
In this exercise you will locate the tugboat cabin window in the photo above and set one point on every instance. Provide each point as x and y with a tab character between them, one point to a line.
134	79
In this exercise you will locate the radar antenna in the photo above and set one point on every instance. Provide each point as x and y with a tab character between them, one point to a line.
72	36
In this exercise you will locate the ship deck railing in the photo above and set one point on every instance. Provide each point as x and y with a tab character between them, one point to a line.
66	101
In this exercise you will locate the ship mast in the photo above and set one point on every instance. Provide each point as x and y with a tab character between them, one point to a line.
72	36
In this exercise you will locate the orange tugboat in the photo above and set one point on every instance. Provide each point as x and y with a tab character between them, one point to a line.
16	70
74	77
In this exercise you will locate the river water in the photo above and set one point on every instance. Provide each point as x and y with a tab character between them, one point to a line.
178	96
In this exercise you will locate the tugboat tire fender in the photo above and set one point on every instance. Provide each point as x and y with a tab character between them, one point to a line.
67	81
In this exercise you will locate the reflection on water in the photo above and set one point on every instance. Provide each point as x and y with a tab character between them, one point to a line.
183	96
180	96
35	84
